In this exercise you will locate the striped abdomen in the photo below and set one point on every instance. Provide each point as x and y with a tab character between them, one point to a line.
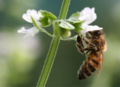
93	62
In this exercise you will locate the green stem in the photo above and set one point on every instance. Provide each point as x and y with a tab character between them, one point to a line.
49	62
47	33
53	48
64	9
40	28
70	38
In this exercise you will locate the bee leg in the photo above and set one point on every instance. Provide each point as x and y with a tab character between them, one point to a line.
88	42
80	45
91	46
79	41
87	50
80	49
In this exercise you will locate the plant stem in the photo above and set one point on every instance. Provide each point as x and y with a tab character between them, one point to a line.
64	9
40	28
47	33
70	38
53	48
49	62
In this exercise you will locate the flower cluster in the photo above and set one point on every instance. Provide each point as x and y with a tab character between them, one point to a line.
29	16
87	16
39	19
78	22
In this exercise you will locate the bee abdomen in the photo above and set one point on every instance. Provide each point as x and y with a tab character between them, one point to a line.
83	73
89	66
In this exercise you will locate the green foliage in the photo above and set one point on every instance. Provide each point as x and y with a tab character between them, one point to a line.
74	18
66	25
47	18
77	27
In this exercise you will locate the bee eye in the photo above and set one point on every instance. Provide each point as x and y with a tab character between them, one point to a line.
98	33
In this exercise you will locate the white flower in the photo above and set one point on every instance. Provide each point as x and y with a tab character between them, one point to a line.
28	32
31	13
87	28
29	16
88	15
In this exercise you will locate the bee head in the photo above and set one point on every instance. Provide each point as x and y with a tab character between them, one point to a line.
94	34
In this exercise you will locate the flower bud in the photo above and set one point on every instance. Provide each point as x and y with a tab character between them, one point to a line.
65	33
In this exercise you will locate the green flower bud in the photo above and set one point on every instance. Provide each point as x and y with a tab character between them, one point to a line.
65	33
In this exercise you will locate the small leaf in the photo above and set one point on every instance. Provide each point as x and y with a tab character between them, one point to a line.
45	22
77	27
66	25
74	18
48	14
47	18
77	14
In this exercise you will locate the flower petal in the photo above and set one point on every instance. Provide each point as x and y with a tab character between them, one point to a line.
88	15
28	32
31	13
22	30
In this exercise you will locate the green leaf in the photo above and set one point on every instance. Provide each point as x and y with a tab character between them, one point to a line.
66	25
77	27
47	18
45	22
48	14
74	18
77	14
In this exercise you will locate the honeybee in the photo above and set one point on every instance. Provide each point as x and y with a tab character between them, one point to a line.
92	44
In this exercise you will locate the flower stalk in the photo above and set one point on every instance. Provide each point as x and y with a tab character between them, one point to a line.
49	62
64	9
53	48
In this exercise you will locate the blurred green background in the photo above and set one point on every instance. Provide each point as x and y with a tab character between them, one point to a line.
21	60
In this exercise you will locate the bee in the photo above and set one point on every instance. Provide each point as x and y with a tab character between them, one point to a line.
92	44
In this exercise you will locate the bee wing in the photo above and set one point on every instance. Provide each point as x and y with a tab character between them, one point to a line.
100	63
105	47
